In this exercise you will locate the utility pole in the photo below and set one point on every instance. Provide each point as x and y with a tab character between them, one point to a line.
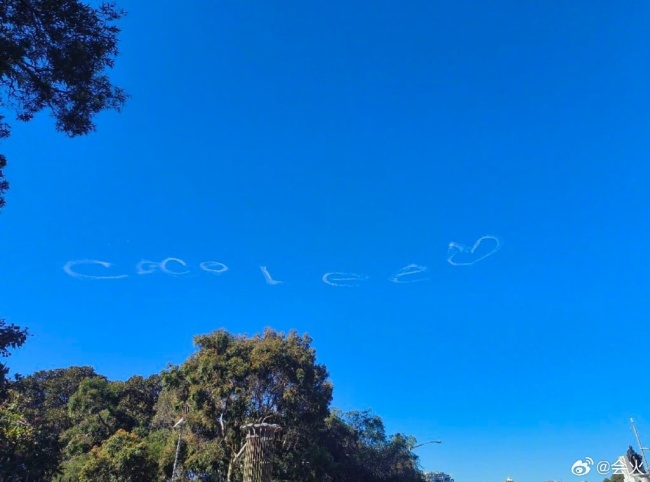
180	424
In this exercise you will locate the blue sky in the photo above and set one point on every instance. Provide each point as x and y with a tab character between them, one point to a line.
359	137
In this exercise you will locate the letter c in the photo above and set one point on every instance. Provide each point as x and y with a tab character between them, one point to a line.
68	269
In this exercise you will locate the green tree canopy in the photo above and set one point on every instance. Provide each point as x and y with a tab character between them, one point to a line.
41	401
99	408
73	424
234	380
123	457
615	478
46	393
54	55
20	456
11	336
361	450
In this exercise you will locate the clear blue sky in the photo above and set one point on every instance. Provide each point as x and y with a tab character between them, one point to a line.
362	137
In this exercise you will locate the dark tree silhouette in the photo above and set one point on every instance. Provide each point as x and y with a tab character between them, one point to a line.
11	336
54	55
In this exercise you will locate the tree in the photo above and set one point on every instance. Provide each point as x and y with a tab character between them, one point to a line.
99	408
235	380
71	410
73	424
615	478
361	450
124	457
54	54
92	410
45	394
42	400
18	440
11	336
137	400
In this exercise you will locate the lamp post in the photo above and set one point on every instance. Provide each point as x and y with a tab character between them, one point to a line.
425	443
428	477
178	425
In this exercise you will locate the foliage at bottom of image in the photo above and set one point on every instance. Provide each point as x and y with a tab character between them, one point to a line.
615	478
73	424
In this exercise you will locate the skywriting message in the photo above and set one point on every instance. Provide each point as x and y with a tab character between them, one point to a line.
457	255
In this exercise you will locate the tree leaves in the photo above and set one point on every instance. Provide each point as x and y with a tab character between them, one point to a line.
362	451
54	54
123	457
11	336
82	426
234	380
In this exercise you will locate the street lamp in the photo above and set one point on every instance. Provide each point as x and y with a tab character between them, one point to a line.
425	443
179	425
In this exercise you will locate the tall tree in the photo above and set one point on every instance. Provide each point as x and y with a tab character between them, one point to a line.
54	55
94	415
235	380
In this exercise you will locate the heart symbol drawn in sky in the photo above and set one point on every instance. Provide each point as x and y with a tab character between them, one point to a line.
456	249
